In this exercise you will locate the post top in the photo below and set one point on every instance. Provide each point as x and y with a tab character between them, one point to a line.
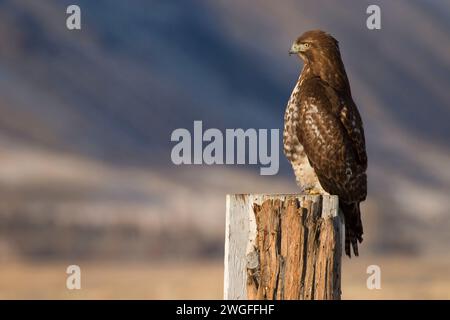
330	203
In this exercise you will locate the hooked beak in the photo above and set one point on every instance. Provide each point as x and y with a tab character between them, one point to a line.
296	48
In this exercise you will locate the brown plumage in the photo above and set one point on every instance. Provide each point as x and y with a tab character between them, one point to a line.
323	133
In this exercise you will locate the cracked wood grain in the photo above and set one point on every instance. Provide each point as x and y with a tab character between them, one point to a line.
290	247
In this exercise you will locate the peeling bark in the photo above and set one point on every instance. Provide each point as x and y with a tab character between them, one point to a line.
298	249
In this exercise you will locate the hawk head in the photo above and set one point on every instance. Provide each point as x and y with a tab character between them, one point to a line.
320	53
314	45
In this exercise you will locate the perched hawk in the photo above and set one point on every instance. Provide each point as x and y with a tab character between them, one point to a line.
323	133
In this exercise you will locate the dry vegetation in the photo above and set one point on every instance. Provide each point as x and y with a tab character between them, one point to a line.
402	278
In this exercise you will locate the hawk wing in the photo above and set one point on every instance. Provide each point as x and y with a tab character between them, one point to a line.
347	112
333	140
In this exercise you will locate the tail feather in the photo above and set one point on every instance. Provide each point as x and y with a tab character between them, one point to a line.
353	227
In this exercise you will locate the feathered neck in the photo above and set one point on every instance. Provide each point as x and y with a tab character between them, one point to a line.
328	66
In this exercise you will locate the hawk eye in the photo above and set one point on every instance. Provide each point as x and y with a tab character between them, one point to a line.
306	45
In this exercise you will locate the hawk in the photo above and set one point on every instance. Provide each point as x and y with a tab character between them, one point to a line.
323	132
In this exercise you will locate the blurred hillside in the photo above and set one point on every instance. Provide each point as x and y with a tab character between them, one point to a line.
86	118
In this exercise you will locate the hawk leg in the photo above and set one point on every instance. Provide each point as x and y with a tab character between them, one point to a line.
306	177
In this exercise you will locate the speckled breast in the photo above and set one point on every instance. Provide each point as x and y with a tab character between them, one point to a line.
292	146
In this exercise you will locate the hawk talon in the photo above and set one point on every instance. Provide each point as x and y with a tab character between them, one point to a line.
314	192
311	191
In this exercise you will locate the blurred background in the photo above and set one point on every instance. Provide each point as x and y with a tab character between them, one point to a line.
86	117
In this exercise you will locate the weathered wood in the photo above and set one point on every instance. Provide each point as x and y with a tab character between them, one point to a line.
282	247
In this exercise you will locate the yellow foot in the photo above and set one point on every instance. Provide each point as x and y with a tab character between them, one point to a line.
312	191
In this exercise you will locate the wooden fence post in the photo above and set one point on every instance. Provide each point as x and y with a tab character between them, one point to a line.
282	247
